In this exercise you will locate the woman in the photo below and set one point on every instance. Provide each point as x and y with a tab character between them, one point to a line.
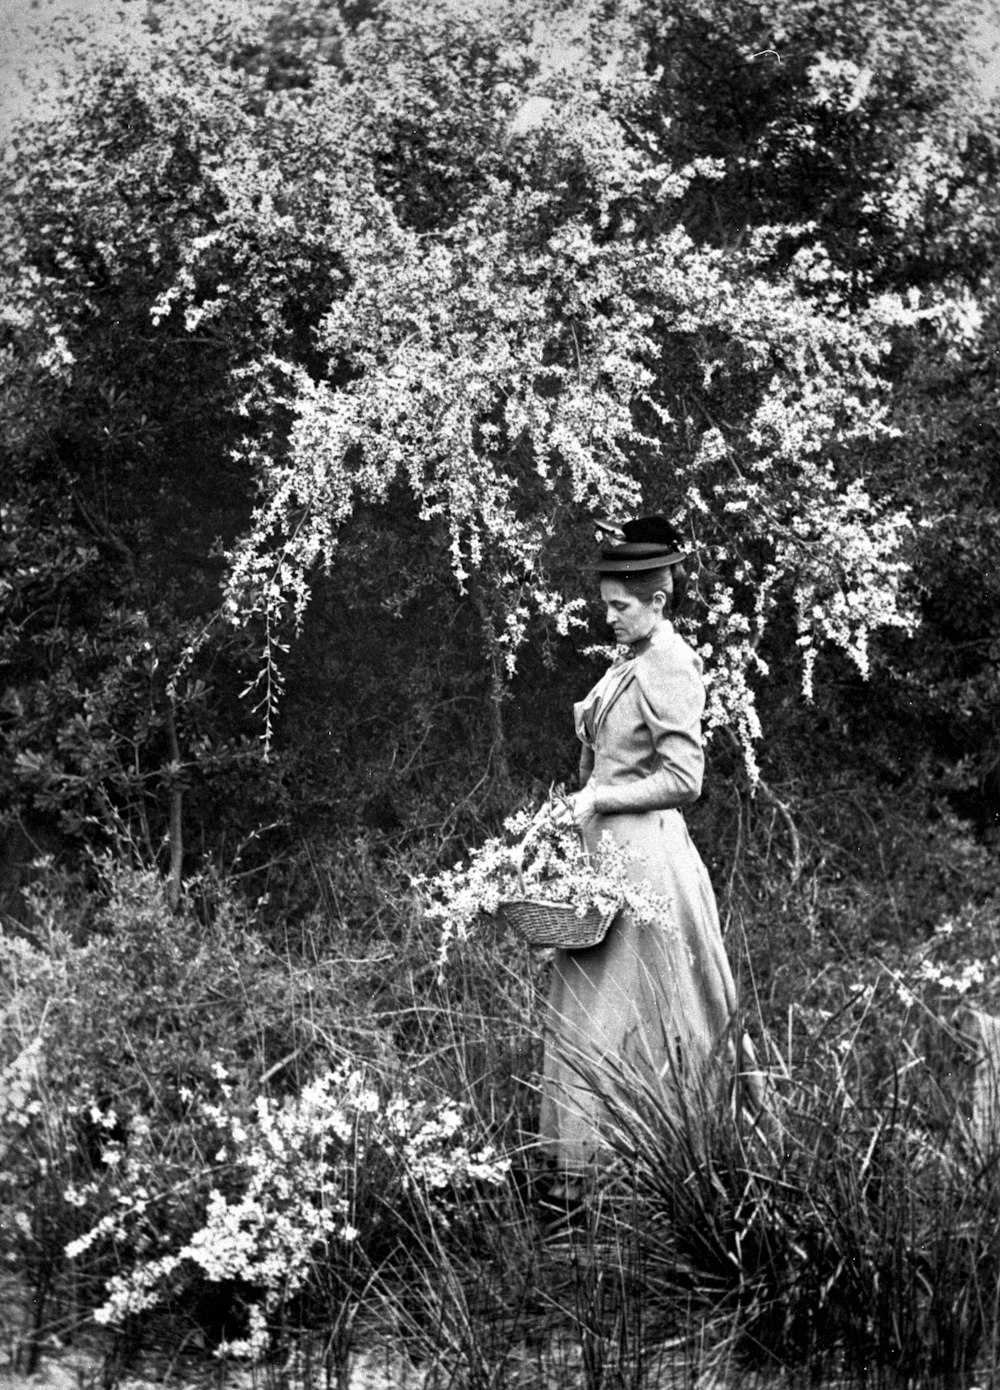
652	1001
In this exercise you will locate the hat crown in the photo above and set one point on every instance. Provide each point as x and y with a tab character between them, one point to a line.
651	530
648	542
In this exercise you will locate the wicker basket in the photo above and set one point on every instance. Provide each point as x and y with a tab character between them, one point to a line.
544	923
556	924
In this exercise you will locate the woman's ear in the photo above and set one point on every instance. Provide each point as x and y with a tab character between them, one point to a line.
659	600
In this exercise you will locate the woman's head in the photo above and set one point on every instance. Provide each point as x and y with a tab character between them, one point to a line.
647	559
630	615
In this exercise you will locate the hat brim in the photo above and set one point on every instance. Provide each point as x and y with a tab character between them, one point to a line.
636	564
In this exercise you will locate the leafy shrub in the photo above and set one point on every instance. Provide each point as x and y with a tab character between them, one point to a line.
145	1075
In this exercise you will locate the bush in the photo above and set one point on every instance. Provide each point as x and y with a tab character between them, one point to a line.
166	1078
306	1199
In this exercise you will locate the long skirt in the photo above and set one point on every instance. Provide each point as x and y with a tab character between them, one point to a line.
654	1003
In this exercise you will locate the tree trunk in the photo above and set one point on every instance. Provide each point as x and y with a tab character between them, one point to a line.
499	763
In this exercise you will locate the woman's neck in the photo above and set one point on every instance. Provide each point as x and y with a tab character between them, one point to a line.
661	628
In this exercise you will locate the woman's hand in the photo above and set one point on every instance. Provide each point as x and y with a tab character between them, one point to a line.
576	809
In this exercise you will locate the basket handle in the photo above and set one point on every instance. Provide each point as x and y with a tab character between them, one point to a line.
538	823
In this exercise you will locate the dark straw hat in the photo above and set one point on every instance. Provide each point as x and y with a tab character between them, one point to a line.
648	543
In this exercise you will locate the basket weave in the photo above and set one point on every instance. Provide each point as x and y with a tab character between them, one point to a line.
556	924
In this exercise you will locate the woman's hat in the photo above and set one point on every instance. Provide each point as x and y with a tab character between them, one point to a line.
648	543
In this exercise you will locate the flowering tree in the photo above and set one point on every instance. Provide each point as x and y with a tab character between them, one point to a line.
500	352
280	271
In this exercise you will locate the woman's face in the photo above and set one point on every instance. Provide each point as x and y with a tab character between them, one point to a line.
629	617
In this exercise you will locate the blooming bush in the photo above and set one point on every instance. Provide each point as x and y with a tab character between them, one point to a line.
299	1190
166	1058
537	858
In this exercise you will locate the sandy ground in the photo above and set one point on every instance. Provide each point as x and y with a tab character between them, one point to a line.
376	1368
381	1367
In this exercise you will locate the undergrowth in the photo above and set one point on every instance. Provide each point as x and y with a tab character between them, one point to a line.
225	1131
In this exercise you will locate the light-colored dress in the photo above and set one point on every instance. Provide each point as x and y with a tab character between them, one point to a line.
657	1000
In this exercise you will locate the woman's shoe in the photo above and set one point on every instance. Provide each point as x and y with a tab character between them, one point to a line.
562	1205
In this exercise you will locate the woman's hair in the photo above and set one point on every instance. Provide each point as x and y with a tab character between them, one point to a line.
670	580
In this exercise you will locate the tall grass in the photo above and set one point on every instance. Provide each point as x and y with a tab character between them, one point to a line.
839	1236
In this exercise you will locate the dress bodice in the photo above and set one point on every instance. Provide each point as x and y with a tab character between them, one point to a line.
641	728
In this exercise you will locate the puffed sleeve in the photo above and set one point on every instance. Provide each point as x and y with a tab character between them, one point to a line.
671	698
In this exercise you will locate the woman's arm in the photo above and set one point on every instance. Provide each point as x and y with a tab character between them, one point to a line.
671	698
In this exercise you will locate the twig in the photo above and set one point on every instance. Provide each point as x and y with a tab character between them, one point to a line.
774	800
176	807
786	816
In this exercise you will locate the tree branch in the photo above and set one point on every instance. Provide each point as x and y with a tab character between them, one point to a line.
176	830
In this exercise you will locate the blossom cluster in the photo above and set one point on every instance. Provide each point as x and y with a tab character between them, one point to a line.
538	858
289	1192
